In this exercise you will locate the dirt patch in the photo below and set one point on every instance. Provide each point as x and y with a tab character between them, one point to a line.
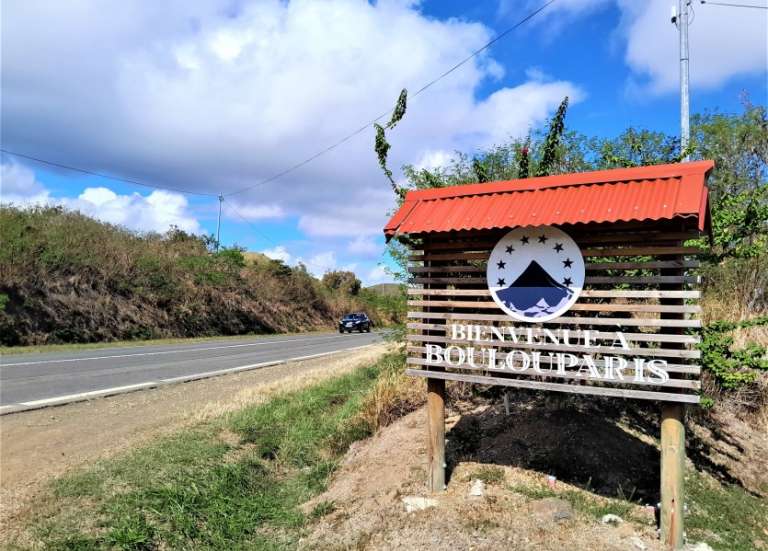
731	448
367	511
36	446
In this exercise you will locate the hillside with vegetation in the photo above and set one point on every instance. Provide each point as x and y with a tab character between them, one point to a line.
67	278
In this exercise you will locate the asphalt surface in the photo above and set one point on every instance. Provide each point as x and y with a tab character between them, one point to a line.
34	379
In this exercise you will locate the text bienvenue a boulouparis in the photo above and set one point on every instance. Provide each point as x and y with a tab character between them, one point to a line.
474	352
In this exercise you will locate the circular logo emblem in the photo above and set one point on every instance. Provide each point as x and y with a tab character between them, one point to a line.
535	274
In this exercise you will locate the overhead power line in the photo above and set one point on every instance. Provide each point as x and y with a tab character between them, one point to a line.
105	176
730	5
231	208
367	125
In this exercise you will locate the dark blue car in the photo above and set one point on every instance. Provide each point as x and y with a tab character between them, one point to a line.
355	322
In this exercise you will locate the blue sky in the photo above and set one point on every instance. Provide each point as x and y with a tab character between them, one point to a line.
216	96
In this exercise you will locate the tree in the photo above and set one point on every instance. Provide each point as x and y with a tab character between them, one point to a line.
738	143
552	142
342	281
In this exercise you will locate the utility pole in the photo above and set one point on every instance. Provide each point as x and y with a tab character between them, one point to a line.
680	19
218	224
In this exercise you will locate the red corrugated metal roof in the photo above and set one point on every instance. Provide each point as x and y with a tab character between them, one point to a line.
644	193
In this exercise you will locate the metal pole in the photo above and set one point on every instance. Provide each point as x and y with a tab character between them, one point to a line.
685	130
218	224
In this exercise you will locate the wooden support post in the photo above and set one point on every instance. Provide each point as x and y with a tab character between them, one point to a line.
672	472
436	434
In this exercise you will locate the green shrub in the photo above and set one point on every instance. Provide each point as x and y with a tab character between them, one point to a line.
732	368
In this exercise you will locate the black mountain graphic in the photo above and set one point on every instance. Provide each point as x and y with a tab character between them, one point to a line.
535	289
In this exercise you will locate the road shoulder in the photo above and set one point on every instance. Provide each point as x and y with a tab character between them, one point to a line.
36	446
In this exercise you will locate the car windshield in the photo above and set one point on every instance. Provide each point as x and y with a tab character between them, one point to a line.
352	317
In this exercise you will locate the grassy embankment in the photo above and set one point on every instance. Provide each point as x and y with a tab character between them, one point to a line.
233	482
67	278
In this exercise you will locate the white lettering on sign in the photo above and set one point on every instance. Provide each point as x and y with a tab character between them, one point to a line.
474	352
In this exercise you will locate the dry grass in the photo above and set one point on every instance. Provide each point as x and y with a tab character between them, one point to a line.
323	370
735	290
394	396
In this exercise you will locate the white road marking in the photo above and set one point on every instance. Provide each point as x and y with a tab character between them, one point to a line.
158	353
82	396
90	394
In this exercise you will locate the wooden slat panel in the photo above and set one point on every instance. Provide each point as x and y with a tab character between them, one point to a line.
641	251
451	243
564	320
588	307
648	280
445	269
576	389
578	334
652	265
597	266
595	252
586	293
449	280
448	256
674	368
609	293
589	280
451	256
634	237
673	383
450	292
654	352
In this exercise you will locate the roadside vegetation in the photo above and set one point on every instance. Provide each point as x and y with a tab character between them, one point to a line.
236	481
255	478
67	278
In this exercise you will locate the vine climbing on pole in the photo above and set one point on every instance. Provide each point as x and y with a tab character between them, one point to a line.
382	146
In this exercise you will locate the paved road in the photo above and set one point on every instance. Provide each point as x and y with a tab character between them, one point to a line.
36	379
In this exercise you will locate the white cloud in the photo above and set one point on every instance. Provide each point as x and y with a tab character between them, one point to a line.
431	160
321	263
278	253
157	211
214	97
364	246
724	43
259	212
19	186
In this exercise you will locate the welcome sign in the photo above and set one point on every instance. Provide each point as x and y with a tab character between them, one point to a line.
536	275
572	311
579	283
